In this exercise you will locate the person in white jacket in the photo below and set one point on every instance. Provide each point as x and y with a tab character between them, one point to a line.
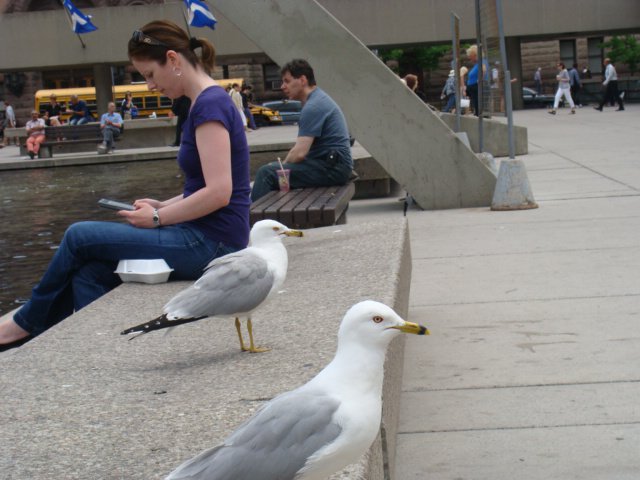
564	88
9	122
611	86
234	93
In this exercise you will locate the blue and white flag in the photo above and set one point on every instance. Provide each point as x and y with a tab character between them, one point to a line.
199	14
81	23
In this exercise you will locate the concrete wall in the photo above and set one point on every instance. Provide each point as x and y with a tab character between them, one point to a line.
375	22
380	22
495	134
410	142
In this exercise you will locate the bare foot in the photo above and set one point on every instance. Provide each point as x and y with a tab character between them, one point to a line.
10	331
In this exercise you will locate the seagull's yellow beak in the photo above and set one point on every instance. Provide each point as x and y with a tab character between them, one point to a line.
293	233
414	328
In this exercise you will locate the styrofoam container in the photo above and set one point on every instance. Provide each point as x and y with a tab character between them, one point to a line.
144	271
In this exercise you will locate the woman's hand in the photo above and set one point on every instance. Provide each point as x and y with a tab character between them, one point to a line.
142	216
150	201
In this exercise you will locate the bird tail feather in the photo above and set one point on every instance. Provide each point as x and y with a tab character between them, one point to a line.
157	324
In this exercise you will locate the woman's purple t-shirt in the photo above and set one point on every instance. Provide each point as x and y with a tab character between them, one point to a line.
229	224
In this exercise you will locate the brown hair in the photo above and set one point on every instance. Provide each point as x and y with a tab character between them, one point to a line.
411	81
172	37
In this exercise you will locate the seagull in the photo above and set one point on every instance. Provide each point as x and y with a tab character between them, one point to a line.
233	285
322	426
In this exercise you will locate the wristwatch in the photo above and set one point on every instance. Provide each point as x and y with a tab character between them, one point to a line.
156	217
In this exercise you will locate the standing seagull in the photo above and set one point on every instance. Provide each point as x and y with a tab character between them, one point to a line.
317	429
233	285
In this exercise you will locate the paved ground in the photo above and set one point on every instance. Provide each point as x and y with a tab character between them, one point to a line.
532	370
533	367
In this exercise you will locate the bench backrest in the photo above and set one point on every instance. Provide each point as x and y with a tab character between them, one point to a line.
86	131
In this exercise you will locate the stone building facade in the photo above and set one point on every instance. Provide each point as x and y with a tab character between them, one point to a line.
584	51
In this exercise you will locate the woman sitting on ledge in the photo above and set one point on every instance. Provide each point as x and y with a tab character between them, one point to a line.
210	218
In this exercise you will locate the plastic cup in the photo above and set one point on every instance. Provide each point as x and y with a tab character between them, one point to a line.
283	179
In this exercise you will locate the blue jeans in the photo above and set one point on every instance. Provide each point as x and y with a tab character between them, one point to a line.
109	134
78	121
308	173
82	268
451	103
249	115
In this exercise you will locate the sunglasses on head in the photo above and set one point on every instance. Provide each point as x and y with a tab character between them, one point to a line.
139	37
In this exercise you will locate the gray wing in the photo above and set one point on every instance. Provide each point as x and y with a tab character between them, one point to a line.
274	444
233	284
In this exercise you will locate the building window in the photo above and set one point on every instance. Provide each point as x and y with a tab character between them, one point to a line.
272	78
67	78
594	53
568	52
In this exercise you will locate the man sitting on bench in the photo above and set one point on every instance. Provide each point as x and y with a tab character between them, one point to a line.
35	130
111	125
79	110
321	156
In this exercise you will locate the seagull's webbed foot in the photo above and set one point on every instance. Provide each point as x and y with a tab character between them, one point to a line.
252	347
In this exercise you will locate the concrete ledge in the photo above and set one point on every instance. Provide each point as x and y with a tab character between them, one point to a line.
373	180
495	134
148	132
81	399
85	158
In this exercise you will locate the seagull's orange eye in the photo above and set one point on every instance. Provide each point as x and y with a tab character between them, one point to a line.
377	319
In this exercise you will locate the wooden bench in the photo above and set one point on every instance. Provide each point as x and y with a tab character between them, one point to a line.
305	207
71	134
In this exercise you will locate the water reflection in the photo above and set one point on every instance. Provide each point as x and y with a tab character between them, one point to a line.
37	205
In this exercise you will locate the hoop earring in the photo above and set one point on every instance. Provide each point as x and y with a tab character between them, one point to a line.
177	71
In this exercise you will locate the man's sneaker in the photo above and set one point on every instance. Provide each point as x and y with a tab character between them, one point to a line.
551	112
598	108
31	154
573	111
102	148
619	109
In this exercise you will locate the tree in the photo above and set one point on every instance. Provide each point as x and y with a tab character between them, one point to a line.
423	58
415	60
624	50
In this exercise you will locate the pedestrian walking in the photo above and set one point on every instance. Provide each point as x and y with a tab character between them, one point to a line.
9	122
537	79
576	85
610	85
564	89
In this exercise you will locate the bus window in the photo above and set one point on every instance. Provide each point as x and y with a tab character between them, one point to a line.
151	102
165	102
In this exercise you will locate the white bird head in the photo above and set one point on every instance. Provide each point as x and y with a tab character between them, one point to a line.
374	323
266	230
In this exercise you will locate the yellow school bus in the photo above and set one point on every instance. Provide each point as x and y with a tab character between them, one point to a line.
147	101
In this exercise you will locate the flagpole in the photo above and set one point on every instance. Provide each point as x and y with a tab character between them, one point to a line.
71	23
186	22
